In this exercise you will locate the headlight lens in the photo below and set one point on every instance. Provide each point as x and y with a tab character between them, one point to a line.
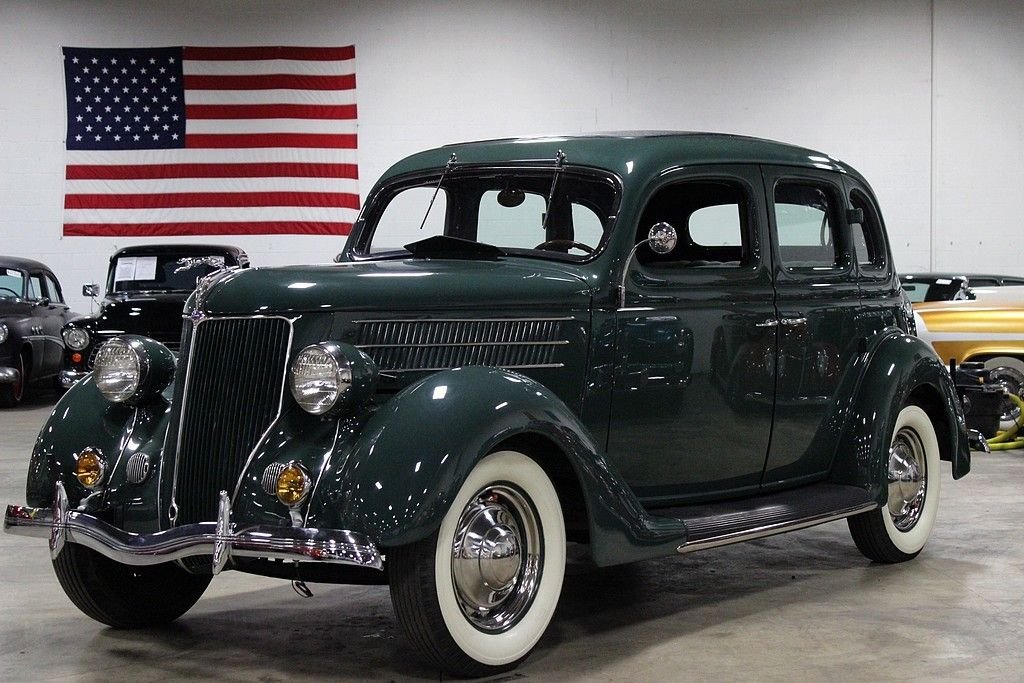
4	333
132	369
75	338
292	484
118	370
329	376
90	468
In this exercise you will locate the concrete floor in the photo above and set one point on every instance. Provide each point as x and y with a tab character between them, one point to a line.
804	606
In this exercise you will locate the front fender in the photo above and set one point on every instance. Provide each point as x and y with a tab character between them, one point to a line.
402	472
900	368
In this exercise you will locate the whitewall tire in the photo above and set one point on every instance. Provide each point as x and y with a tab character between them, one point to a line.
477	596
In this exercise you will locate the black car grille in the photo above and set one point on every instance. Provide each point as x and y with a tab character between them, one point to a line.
232	394
424	345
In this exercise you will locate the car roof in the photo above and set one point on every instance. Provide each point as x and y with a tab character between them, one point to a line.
187	249
626	153
950	276
20	263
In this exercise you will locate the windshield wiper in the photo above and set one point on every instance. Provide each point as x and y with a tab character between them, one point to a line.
443	246
447	167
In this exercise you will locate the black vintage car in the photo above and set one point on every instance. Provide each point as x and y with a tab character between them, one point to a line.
146	290
32	312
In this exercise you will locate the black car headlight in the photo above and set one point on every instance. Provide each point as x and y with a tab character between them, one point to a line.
75	338
331	377
132	369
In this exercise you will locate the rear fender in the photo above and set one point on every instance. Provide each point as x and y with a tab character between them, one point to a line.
900	369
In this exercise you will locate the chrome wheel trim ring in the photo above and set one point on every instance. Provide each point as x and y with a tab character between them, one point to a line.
497	557
908	479
1012	381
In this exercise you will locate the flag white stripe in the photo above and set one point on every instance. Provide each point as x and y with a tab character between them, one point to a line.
309	155
174	185
234	126
206	215
274	96
200	67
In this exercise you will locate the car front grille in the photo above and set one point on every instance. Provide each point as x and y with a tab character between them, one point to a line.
426	345
233	390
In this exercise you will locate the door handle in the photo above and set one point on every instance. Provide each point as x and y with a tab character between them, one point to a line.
794	321
767	323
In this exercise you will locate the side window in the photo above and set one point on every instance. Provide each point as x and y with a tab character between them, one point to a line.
400	223
54	290
35	286
807	225
517	225
867	235
712	219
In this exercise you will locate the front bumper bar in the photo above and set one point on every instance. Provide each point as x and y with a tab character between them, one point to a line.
219	539
9	375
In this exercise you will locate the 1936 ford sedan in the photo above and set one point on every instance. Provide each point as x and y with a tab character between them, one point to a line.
524	344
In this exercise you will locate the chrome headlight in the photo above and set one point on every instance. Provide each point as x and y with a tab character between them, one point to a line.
4	332
331	377
132	369
75	338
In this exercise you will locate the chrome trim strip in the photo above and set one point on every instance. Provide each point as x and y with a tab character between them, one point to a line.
333	546
462	320
505	367
423	345
773	529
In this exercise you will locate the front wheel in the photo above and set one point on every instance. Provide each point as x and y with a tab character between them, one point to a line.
897	531
123	596
476	596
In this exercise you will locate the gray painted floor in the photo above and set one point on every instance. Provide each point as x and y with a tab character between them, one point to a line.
805	606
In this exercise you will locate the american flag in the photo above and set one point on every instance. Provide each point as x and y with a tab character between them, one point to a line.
210	140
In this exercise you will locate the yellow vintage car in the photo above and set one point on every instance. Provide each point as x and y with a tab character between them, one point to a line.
987	329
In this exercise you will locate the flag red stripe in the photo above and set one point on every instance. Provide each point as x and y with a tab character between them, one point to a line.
250	140
256	170
209	228
270	52
270	111
270	82
179	200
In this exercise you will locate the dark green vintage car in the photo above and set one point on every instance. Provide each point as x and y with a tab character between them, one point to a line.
639	344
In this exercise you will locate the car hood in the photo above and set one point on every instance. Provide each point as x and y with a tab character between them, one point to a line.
411	284
153	315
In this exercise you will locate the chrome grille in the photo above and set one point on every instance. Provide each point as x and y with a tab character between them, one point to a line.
233	391
423	345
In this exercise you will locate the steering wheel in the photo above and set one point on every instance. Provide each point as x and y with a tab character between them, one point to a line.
11	291
565	244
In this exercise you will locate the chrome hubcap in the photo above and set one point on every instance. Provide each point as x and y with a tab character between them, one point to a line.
496	557
908	479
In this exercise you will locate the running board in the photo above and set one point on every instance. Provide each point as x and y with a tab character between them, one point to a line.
713	525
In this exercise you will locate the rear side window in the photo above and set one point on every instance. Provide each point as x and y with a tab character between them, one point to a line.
807	225
711	218
867	234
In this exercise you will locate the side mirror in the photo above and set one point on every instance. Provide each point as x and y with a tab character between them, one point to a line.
91	290
662	238
42	301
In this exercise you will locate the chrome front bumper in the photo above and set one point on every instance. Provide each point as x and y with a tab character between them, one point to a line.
220	539
9	375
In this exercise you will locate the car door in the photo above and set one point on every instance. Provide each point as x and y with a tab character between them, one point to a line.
817	299
695	346
56	313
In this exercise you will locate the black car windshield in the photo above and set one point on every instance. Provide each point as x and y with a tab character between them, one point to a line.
160	273
12	283
561	214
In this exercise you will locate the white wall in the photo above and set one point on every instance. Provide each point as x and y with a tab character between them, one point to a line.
940	138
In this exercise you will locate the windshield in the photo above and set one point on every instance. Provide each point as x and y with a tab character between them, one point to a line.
12	283
939	289
506	209
164	273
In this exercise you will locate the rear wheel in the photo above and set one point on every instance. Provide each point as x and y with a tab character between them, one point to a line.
476	596
897	531
123	596
11	394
